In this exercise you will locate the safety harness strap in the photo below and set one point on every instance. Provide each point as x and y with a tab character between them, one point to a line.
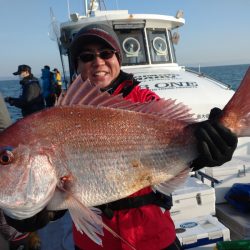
155	198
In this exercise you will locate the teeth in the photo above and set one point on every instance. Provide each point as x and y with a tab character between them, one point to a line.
100	73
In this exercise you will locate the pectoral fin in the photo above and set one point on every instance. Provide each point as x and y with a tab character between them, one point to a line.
86	219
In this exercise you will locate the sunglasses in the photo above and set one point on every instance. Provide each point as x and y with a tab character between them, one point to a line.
90	56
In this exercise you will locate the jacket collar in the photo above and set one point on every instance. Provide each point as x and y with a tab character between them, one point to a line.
121	83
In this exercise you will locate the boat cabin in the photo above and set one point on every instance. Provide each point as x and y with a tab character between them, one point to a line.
145	39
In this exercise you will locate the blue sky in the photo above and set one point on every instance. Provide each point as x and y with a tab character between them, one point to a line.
217	32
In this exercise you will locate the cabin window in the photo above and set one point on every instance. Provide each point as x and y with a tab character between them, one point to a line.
158	45
133	46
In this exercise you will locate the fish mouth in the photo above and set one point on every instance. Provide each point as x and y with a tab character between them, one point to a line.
33	190
23	211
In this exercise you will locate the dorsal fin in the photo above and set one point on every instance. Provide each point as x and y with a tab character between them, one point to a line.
85	93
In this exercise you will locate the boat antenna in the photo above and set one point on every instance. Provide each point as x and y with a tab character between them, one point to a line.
55	36
68	9
86	8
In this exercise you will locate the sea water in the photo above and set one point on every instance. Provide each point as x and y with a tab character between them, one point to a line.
230	75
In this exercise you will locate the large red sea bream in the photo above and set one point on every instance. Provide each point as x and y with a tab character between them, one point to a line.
93	148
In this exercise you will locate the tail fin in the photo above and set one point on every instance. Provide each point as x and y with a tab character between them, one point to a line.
236	114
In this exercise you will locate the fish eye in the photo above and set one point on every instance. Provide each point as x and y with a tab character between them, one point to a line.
6	157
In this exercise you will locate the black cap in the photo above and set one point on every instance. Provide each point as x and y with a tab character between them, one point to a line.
22	68
91	33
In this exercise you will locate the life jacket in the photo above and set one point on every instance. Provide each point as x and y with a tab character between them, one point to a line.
58	79
146	227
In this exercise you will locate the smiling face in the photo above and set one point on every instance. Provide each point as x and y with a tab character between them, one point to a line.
99	71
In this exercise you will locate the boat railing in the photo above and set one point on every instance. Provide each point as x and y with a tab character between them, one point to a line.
202	74
204	176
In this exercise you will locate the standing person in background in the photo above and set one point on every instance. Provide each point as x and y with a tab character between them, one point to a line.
143	219
58	82
31	99
48	86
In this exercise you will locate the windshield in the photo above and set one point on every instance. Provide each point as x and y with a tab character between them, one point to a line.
158	46
133	43
133	46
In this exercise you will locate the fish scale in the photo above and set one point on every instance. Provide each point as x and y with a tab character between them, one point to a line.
118	176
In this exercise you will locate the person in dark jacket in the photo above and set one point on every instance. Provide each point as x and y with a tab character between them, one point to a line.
31	99
143	218
48	86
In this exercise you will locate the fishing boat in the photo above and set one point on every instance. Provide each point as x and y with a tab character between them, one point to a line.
148	43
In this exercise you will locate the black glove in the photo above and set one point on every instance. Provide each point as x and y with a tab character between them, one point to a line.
216	143
35	222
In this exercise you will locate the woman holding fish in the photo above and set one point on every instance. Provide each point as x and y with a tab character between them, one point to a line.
142	220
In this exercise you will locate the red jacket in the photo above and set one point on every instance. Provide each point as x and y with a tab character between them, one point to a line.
146	227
